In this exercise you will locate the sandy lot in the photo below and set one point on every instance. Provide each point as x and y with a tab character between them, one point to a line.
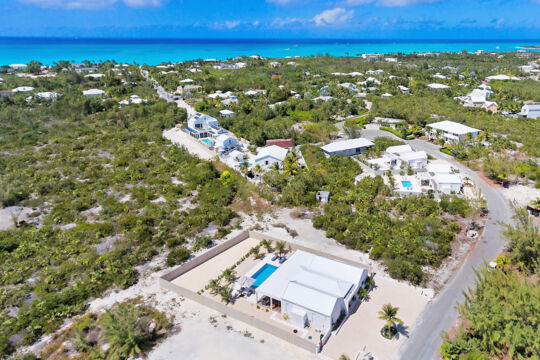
197	278
6	216
360	333
523	195
194	147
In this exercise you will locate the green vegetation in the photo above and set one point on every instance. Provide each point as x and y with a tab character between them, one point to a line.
129	330
405	233
104	189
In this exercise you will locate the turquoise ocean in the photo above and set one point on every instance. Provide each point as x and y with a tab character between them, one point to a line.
155	51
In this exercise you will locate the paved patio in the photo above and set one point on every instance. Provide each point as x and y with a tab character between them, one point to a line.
361	329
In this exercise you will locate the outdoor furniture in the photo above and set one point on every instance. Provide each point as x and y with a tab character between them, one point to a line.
275	256
282	259
249	292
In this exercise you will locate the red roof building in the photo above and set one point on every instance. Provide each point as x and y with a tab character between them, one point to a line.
285	143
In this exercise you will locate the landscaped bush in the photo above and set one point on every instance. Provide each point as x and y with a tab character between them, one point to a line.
177	256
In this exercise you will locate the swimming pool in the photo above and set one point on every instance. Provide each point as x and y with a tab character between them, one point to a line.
262	274
208	142
406	183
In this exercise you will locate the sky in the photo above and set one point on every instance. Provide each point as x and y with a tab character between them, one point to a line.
347	19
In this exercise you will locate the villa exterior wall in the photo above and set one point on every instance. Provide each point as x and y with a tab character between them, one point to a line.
238	315
166	282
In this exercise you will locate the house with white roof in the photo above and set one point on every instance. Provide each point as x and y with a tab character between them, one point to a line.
530	111
225	142
404	89
226	113
314	291
274	64
347	147
451	131
18	66
438	86
93	93
23	89
269	155
201	121
448	183
401	156
48	95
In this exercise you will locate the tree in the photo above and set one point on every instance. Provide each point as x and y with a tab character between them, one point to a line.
267	244
389	314
229	275
34	67
290	164
524	241
280	246
126	329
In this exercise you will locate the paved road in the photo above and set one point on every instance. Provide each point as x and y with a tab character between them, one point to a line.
440	314
162	93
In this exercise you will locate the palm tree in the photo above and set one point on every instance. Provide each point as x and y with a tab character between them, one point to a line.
388	314
280	246
258	170
290	164
126	329
229	275
267	245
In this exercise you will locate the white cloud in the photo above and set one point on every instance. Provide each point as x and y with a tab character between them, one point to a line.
143	3
232	24
405	2
91	4
333	16
280	22
256	23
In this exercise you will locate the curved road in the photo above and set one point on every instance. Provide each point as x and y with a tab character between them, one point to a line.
439	315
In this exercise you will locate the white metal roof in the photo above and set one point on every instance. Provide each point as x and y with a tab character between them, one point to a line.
447	178
414	155
226	112
277	152
347	144
453	127
399	149
439	168
438	86
93	92
311	281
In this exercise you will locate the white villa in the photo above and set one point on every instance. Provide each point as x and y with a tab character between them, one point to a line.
347	147
314	291
438	86
201	126
93	93
226	113
269	155
401	155
448	183
451	131
531	111
23	89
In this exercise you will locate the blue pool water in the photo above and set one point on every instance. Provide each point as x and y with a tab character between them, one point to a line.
406	183
208	142
262	274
